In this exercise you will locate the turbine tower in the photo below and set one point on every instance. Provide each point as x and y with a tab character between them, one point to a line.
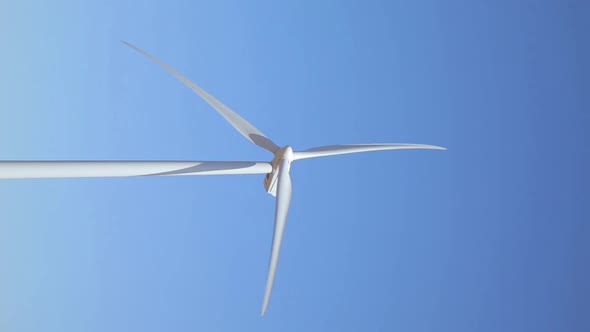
277	181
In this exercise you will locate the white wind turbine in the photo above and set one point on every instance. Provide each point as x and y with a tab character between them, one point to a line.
277	181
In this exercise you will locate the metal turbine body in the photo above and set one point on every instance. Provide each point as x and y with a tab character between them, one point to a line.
270	180
277	181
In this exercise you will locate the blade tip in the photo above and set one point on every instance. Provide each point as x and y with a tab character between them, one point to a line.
128	44
437	147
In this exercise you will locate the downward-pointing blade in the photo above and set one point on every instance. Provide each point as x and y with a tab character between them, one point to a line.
244	127
282	207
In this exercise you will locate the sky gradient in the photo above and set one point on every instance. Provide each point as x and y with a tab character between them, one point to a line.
490	235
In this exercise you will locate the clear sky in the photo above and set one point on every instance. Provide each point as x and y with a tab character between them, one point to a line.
491	235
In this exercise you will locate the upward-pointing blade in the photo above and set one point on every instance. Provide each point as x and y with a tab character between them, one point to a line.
283	201
244	127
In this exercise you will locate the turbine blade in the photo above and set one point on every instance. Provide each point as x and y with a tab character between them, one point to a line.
244	127
282	207
83	169
330	150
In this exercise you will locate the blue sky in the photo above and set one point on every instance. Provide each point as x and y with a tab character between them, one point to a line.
490	235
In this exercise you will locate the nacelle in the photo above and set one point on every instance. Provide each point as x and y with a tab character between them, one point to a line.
270	180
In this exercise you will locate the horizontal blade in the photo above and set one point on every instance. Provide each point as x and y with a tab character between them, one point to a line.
244	127
83	169
330	150
282	207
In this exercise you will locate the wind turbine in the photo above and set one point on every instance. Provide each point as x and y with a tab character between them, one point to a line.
277	181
